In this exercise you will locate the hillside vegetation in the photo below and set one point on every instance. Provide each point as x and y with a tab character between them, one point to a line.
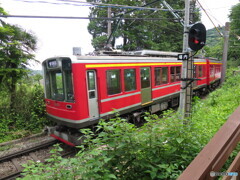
213	36
25	114
161	149
214	43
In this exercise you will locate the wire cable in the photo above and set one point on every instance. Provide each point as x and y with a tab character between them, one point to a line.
69	17
81	3
211	13
210	18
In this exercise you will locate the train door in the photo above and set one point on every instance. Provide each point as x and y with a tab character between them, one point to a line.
146	91
92	94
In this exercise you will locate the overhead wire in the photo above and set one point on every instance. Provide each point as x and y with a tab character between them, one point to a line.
119	6
210	18
121	17
211	14
81	3
170	29
69	17
146	17
216	8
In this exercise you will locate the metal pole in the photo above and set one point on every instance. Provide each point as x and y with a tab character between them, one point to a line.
225	51
109	30
183	92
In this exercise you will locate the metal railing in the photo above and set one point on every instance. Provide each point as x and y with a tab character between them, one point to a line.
208	163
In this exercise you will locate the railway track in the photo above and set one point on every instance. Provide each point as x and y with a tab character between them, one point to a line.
13	162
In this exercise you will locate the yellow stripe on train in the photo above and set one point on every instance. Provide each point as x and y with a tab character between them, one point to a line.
127	65
139	64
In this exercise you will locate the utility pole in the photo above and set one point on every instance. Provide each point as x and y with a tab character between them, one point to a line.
185	64
225	51
192	9
109	29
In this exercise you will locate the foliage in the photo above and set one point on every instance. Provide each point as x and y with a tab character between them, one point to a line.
234	39
214	44
22	109
16	50
27	114
33	168
162	34
32	78
161	149
213	36
212	113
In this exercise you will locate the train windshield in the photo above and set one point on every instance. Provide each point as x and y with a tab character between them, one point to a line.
58	79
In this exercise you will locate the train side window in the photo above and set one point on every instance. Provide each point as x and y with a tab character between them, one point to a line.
164	75
178	73
211	70
200	71
130	79
161	75
157	73
172	74
113	82
217	69
175	73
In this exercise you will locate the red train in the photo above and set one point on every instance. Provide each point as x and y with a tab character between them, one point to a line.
80	90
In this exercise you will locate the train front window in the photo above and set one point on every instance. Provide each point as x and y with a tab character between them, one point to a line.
58	80
69	86
57	91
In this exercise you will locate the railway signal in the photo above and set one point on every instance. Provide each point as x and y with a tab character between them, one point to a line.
194	39
197	36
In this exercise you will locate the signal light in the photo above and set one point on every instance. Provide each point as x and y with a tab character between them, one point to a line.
197	36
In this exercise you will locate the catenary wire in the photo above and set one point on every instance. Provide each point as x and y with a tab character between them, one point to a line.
119	6
210	18
69	17
211	13
80	3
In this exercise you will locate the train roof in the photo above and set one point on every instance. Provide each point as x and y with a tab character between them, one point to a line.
130	57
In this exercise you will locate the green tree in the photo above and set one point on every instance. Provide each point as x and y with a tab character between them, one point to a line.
234	41
16	50
164	34
37	78
214	43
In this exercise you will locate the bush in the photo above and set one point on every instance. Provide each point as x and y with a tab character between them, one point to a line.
27	115
161	149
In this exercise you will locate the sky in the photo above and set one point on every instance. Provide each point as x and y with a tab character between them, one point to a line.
59	36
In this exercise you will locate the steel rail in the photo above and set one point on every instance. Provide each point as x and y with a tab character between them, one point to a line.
17	174
18	171
25	151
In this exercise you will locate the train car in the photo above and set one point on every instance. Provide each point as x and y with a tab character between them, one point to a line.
80	90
